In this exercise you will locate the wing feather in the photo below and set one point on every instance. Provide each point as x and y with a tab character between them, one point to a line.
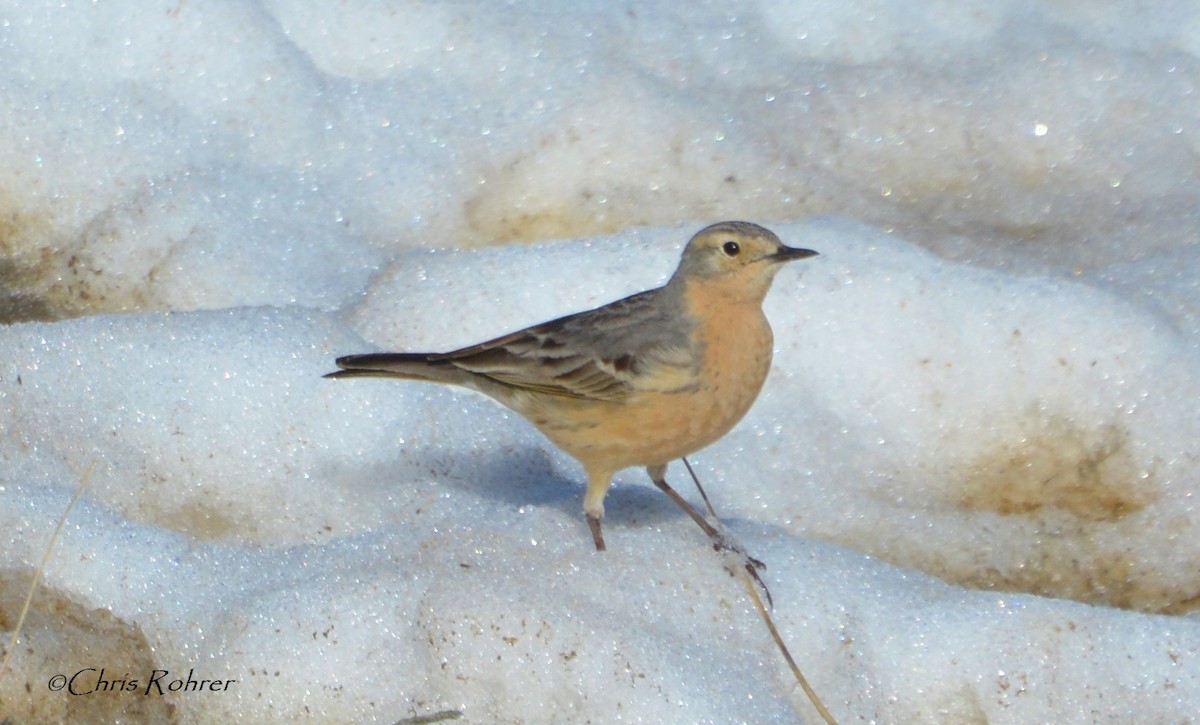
632	345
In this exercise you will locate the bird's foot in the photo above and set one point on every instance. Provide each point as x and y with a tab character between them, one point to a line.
736	557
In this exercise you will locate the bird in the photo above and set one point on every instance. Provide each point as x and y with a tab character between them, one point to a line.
641	381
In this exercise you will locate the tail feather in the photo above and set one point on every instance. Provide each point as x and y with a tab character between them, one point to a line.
408	365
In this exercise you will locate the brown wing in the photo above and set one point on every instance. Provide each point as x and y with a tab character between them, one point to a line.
635	344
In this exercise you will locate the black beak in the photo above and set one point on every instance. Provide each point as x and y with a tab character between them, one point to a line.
790	254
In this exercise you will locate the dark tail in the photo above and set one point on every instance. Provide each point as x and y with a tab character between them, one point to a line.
407	365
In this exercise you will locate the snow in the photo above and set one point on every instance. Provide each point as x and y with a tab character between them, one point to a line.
972	474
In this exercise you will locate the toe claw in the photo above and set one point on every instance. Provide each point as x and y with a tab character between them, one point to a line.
753	566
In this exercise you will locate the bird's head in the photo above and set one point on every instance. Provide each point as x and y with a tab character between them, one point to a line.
740	257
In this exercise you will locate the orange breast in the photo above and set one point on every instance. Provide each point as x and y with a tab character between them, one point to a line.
655	428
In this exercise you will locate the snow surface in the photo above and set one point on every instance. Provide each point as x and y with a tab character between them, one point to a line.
973	474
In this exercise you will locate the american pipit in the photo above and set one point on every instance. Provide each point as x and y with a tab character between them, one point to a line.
640	381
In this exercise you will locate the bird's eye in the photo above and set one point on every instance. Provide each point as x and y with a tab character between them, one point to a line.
731	248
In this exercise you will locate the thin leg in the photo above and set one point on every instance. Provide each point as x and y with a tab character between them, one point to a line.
719	541
658	474
597	537
599	479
